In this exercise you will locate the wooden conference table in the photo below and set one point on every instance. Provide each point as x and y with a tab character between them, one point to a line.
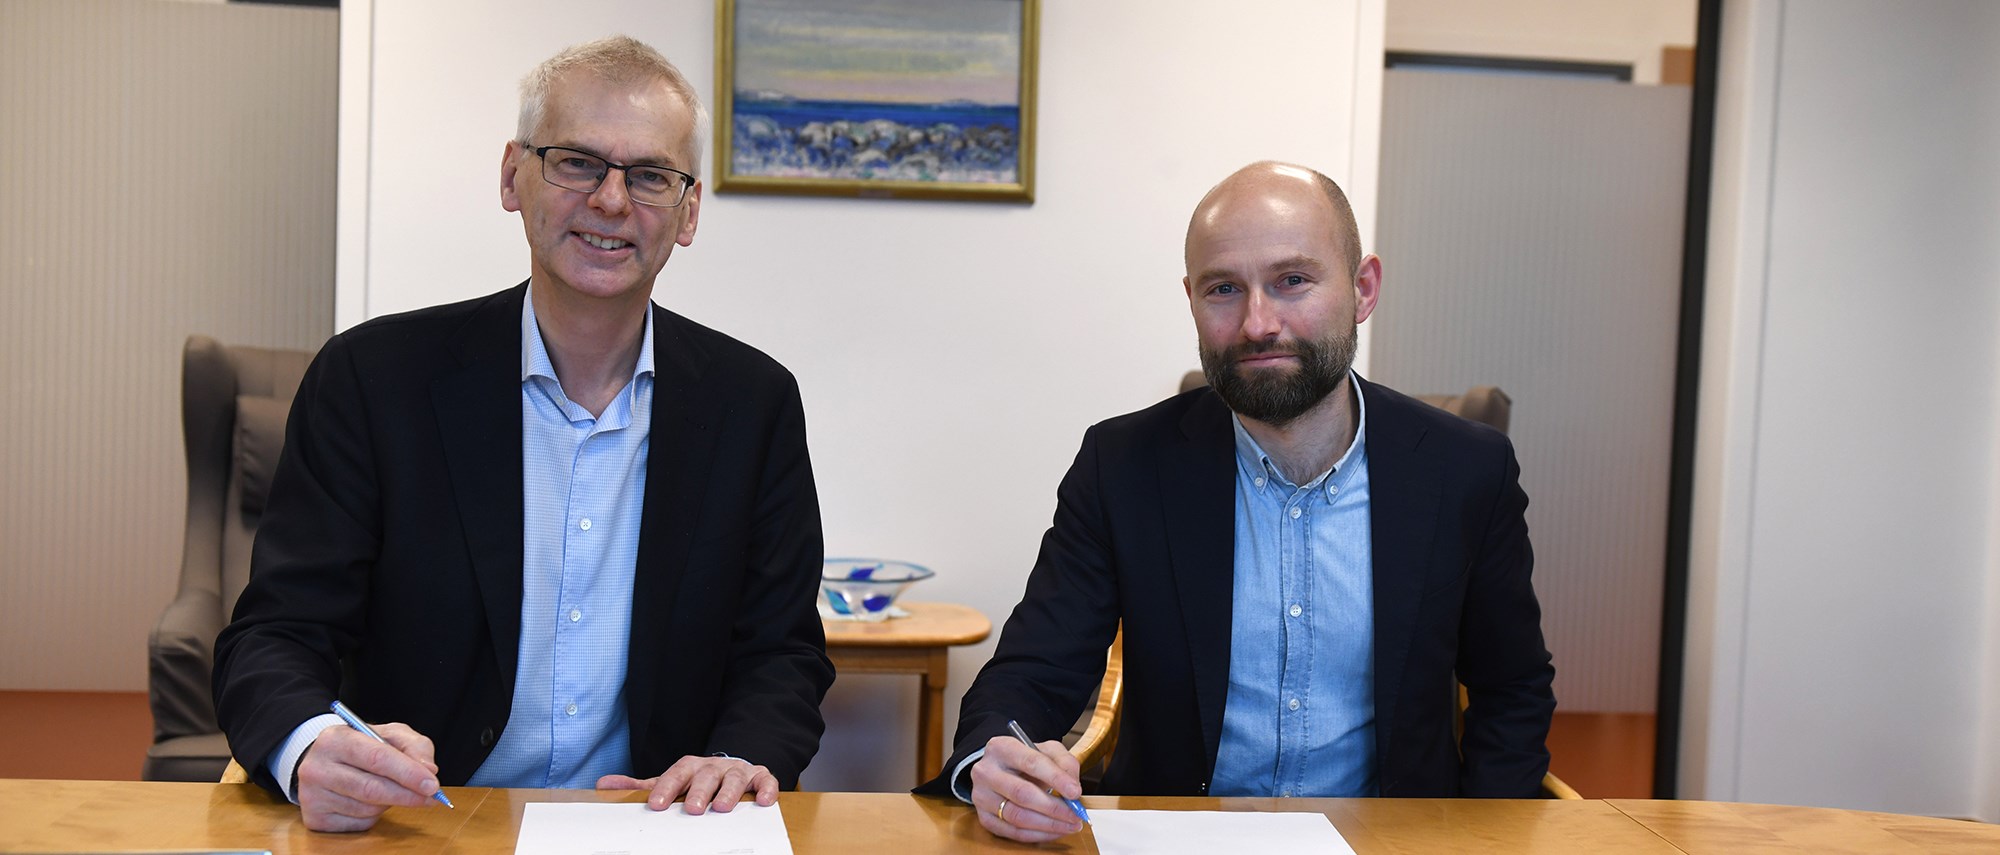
102	816
919	644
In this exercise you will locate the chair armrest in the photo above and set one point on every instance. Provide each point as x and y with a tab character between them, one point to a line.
180	655
1554	788
1100	737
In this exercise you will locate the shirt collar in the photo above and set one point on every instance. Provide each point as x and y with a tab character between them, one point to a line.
1250	456
535	355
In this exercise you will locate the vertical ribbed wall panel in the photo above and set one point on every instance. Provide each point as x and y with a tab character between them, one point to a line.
1530	233
167	168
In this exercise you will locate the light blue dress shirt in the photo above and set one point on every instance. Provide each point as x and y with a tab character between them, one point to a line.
584	486
1300	715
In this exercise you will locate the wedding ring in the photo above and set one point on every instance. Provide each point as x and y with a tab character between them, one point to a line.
1001	814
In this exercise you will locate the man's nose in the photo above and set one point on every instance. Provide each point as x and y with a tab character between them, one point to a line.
1260	317
611	195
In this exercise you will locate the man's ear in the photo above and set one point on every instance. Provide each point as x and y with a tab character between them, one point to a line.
510	164
693	206
1367	287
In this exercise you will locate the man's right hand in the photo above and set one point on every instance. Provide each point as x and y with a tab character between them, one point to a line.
1011	787
347	780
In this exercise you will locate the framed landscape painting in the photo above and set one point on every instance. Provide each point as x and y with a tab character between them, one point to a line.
877	98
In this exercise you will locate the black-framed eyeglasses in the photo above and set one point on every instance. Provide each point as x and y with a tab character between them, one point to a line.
572	169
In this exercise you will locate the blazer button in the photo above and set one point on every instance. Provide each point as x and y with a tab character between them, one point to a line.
486	738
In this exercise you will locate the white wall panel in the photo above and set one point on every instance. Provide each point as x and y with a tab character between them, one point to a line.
1877	429
1855	674
167	168
1531	240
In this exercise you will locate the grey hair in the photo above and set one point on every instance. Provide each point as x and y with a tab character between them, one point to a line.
621	59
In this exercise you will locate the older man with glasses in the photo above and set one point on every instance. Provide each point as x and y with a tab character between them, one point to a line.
472	536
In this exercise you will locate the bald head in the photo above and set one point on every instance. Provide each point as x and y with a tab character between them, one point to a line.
1270	185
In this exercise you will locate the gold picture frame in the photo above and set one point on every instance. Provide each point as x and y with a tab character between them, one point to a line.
894	99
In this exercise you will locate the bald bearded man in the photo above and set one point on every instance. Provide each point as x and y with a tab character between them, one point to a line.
1306	564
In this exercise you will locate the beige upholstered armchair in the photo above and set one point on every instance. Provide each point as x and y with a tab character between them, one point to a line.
234	401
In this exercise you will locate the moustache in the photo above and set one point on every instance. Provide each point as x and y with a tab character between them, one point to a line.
1258	348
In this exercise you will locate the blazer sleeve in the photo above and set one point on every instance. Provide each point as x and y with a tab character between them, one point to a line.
1052	648
1502	659
278	661
778	670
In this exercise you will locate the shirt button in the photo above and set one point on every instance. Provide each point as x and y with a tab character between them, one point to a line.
571	709
1288	794
585	524
577	615
1296	611
1294	705
1295	513
1259	482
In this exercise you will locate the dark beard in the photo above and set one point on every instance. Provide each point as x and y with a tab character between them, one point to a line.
1279	398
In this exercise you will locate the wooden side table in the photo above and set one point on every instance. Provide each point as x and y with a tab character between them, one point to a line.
918	644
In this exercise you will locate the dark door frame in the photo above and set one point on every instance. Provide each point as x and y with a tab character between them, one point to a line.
1687	391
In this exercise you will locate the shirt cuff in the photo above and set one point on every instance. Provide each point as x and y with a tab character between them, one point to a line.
287	757
961	775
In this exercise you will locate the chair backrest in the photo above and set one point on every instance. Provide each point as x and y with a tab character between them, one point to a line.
1484	404
234	401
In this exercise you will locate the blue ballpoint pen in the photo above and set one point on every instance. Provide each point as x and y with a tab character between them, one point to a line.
1022	735
354	721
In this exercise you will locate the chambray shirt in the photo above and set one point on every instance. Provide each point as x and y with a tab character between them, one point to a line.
1300	715
584	484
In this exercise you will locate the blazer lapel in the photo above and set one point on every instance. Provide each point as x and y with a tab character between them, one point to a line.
485	463
685	410
1198	497
1403	506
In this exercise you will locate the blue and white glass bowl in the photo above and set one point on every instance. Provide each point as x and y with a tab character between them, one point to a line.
865	588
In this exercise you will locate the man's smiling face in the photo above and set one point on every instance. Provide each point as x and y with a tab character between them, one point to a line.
1274	296
601	244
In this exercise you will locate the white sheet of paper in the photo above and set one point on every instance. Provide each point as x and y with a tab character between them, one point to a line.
630	828
1171	832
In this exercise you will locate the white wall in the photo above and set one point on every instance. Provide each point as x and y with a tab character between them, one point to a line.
1628	31
951	354
1841	608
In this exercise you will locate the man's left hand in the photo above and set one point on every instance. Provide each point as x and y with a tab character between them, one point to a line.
702	783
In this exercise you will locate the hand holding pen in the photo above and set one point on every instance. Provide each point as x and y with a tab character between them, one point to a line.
352	774
354	721
1027	792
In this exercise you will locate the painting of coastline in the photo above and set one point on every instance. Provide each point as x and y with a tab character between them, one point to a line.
895	98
